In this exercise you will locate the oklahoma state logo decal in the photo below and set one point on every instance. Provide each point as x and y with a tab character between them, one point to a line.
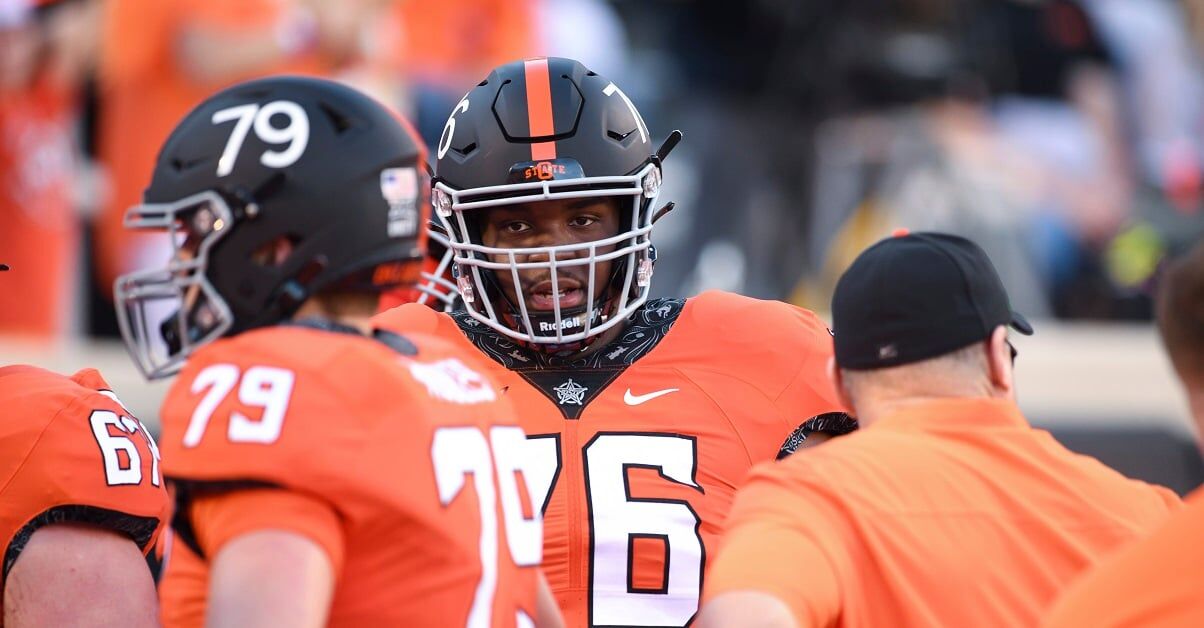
544	171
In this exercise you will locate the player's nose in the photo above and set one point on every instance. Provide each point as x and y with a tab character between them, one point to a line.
554	235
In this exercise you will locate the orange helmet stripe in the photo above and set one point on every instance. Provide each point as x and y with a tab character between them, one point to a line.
539	108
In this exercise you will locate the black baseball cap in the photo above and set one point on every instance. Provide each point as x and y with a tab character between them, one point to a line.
916	296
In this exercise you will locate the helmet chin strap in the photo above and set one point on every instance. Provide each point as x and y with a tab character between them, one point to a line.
571	319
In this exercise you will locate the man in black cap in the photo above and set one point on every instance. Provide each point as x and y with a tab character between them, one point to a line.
946	508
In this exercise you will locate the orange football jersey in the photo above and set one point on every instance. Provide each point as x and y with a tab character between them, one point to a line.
70	452
381	450
640	447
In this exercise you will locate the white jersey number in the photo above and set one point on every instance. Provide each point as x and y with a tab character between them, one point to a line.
461	451
617	519
449	129
295	133
265	387
119	471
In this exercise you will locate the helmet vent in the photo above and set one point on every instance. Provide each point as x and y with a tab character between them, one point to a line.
180	165
619	137
340	122
483	83
466	150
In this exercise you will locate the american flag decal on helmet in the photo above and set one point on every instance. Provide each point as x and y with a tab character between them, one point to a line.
399	187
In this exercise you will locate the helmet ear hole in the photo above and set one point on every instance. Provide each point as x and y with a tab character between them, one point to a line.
275	252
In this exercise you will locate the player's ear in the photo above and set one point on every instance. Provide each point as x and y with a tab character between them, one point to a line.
999	362
837	382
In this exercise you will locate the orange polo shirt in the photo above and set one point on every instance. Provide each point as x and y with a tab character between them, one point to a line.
1156	582
952	512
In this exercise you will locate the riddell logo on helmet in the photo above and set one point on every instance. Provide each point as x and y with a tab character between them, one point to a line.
567	323
571	322
544	171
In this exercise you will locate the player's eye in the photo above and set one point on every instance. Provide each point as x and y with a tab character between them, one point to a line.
582	221
515	227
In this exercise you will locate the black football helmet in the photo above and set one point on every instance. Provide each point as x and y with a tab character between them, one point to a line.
537	130
318	164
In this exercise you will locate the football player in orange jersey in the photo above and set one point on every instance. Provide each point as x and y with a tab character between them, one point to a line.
81	502
324	474
644	415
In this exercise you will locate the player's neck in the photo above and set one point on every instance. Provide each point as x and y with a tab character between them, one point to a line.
355	312
605	339
870	408
361	323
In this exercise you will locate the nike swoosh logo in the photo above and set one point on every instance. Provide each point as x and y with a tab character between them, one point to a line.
635	400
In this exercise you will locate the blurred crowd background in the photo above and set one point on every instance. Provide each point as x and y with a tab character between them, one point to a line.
1065	136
